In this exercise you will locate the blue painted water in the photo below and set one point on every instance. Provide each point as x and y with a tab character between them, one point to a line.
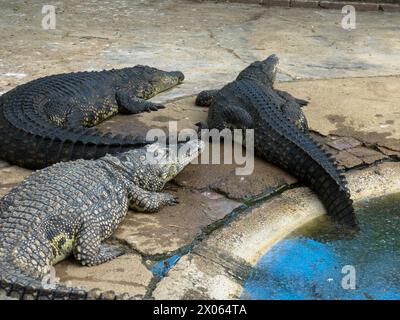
162	267
309	263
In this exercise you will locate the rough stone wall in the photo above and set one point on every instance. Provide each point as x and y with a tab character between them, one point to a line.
360	5
261	1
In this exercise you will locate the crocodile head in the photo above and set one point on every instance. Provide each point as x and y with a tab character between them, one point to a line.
154	80
154	165
262	71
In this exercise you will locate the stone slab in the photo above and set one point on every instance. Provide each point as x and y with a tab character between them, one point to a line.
123	274
173	227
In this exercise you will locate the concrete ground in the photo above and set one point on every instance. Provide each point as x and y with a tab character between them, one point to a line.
223	222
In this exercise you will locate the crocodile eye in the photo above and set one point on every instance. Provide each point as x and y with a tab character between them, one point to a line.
61	242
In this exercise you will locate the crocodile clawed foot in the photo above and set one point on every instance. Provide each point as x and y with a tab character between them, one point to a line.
155	107
302	102
111	250
172	201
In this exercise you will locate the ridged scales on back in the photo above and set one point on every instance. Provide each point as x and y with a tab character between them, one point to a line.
70	208
51	119
280	133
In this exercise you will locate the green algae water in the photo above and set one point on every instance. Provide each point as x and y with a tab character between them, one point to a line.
317	261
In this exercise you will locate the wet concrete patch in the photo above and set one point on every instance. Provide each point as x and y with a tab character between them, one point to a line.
348	108
173	227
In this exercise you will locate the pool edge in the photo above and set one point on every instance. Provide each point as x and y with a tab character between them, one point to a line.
217	267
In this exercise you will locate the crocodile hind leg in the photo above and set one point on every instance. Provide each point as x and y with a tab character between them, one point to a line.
295	115
288	97
222	117
205	98
229	116
89	250
128	104
147	201
73	114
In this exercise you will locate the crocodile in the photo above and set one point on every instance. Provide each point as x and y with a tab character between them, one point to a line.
70	208
52	119
281	134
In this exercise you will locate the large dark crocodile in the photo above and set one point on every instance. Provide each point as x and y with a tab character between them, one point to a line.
70	208
51	119
280	133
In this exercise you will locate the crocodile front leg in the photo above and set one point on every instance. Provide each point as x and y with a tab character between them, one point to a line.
294	114
206	98
148	201
128	104
229	116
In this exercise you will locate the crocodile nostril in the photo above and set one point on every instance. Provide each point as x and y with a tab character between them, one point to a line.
179	75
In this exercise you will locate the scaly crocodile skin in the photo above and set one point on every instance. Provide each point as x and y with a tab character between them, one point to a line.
281	133
70	208
51	119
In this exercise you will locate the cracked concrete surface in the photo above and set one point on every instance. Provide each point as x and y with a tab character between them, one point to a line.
209	42
377	123
351	78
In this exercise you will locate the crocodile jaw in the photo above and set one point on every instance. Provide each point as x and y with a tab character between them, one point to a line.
174	158
188	152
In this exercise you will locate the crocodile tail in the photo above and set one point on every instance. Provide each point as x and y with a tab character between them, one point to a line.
330	184
296	152
32	142
16	285
84	144
36	149
279	141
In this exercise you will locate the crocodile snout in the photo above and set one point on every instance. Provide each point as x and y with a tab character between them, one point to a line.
178	75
